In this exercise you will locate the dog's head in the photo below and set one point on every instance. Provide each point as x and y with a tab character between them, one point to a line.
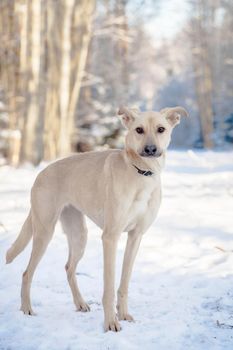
149	133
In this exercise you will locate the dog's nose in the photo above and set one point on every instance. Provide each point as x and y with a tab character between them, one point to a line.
150	150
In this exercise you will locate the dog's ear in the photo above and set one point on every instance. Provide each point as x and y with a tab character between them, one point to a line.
173	114
128	115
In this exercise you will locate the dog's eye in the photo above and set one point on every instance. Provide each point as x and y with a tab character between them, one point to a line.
161	129
140	130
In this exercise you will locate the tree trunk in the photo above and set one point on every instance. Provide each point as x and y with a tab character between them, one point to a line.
65	73
64	92
203	75
9	74
51	126
80	59
32	138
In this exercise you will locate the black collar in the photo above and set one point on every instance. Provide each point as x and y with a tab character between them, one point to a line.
143	172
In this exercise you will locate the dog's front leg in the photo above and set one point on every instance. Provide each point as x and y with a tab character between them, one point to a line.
110	240
132	246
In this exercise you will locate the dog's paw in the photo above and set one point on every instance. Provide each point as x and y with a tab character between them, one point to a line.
83	307
122	313
125	317
27	310
112	325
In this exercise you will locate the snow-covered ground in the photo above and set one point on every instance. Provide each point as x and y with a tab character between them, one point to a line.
181	292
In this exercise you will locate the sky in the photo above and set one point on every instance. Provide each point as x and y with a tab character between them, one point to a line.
172	15
163	19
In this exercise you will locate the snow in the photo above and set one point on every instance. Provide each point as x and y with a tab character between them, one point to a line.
181	291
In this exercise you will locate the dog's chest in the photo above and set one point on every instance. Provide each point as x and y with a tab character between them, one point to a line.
141	201
140	207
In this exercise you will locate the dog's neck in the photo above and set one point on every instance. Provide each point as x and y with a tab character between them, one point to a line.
143	172
144	165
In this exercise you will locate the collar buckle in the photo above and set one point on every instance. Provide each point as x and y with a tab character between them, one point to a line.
143	172
148	173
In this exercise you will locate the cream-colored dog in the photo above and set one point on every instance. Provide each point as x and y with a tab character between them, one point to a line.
120	190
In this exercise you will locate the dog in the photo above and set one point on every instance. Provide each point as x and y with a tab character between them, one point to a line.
120	190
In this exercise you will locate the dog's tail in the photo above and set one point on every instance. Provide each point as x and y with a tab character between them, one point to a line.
21	241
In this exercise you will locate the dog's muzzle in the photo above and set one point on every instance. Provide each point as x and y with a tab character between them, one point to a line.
151	151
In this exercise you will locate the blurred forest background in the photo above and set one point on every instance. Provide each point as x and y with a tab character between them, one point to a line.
66	65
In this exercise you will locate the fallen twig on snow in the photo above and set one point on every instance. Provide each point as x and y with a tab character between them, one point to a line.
224	325
224	250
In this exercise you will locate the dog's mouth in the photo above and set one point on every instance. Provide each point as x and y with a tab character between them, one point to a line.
155	155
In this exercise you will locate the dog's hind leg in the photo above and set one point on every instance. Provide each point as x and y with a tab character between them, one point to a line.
74	226
43	222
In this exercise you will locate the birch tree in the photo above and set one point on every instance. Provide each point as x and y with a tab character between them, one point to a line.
42	66
32	144
203	70
9	73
